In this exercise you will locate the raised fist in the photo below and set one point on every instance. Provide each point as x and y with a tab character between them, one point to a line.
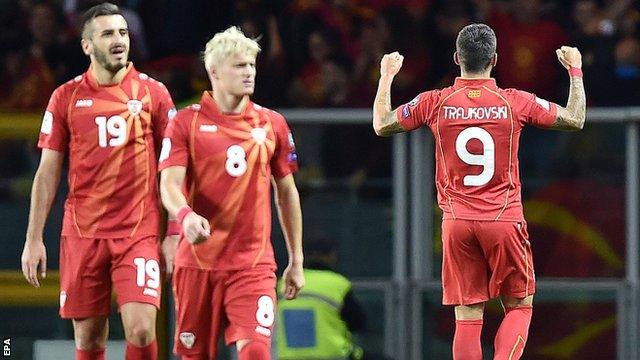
391	64
569	57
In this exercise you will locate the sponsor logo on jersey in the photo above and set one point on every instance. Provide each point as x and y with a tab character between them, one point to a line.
414	102
475	113
259	135
172	113
134	106
405	111
63	298
473	94
187	339
143	76
209	128
77	78
84	103
544	103
47	123
263	331
195	107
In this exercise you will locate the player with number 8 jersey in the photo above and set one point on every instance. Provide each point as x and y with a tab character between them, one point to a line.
219	161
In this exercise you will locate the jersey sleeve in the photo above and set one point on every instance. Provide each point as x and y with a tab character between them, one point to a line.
418	111
285	159
165	111
533	110
175	145
54	132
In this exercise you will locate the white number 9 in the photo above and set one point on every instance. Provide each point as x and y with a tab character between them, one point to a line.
486	159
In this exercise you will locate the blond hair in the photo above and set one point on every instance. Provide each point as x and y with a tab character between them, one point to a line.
227	43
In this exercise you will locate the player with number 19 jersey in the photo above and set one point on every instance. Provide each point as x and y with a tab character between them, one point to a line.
112	134
477	129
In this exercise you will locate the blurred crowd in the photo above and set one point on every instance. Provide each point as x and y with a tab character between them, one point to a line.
325	53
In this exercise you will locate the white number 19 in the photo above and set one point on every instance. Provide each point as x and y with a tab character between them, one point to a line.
116	126
486	159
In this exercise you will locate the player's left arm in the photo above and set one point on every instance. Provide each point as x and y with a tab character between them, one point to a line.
572	117
290	216
385	120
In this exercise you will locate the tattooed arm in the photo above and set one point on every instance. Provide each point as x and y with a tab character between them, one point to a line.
572	116
385	122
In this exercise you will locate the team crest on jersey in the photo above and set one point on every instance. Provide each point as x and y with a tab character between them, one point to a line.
187	339
134	106
47	123
474	94
63	298
259	135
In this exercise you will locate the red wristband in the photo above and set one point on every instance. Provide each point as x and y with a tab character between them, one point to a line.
182	213
173	228
574	71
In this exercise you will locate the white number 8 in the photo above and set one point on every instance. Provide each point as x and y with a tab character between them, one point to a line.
486	159
265	314
236	164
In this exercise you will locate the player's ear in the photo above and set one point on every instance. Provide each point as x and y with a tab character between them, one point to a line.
494	60
86	46
455	58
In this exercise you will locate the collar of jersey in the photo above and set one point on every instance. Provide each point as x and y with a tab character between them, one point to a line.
209	105
94	83
489	82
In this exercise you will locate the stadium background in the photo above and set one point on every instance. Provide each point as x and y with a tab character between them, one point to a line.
373	197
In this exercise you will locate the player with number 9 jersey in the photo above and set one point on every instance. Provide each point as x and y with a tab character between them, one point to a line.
476	125
112	135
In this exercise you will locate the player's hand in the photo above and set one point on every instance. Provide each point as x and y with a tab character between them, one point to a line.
169	248
34	259
569	57
195	228
293	277
390	64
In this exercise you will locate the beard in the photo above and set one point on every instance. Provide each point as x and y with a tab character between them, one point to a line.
103	60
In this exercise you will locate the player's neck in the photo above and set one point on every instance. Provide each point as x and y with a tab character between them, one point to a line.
469	75
228	103
106	77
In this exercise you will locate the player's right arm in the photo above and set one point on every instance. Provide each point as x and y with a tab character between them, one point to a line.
194	227
572	116
385	121
43	191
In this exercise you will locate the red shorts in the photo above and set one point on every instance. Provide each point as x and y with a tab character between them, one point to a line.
241	302
89	268
485	259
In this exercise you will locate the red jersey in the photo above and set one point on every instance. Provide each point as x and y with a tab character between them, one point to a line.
229	159
477	129
112	134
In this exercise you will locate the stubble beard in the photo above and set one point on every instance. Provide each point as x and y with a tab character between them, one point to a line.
102	59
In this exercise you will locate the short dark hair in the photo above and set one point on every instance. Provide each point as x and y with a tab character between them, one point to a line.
476	46
103	9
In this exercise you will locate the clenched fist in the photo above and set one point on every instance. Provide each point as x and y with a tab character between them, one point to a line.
391	64
569	57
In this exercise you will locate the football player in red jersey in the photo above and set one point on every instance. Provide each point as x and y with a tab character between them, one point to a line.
110	120
477	127
218	163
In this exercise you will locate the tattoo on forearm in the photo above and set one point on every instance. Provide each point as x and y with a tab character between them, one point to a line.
573	116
